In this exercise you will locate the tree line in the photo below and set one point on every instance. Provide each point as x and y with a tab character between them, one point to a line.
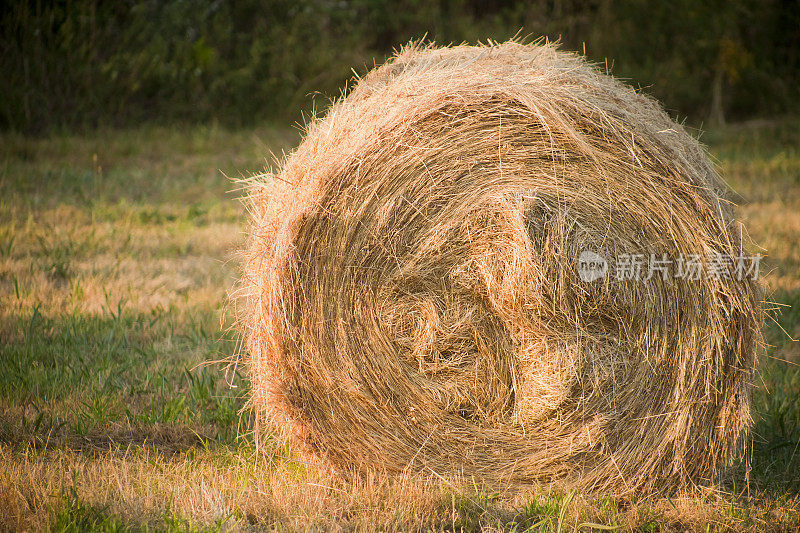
76	64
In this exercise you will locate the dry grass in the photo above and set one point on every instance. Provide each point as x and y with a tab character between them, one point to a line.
413	303
107	423
248	490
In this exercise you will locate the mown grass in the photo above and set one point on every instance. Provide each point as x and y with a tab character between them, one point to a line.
118	411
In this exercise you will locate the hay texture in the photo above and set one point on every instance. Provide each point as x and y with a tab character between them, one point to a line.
413	302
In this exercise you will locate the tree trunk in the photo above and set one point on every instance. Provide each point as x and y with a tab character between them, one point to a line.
717	114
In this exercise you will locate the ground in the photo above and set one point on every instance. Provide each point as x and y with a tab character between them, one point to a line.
120	408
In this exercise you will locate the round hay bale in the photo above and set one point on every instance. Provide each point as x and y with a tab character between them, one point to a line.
414	297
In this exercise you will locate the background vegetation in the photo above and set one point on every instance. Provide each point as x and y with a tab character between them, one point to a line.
83	63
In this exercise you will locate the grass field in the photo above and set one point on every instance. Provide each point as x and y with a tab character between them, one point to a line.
116	253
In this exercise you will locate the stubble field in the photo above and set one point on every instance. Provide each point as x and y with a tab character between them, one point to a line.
118	410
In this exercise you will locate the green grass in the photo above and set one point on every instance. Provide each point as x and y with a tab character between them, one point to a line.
121	410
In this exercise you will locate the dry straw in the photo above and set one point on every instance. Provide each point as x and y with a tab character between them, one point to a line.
412	298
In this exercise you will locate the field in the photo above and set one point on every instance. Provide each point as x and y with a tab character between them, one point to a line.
122	410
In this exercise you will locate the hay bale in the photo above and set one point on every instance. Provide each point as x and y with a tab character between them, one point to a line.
413	301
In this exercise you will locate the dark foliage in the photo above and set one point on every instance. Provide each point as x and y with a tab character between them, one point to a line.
84	63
